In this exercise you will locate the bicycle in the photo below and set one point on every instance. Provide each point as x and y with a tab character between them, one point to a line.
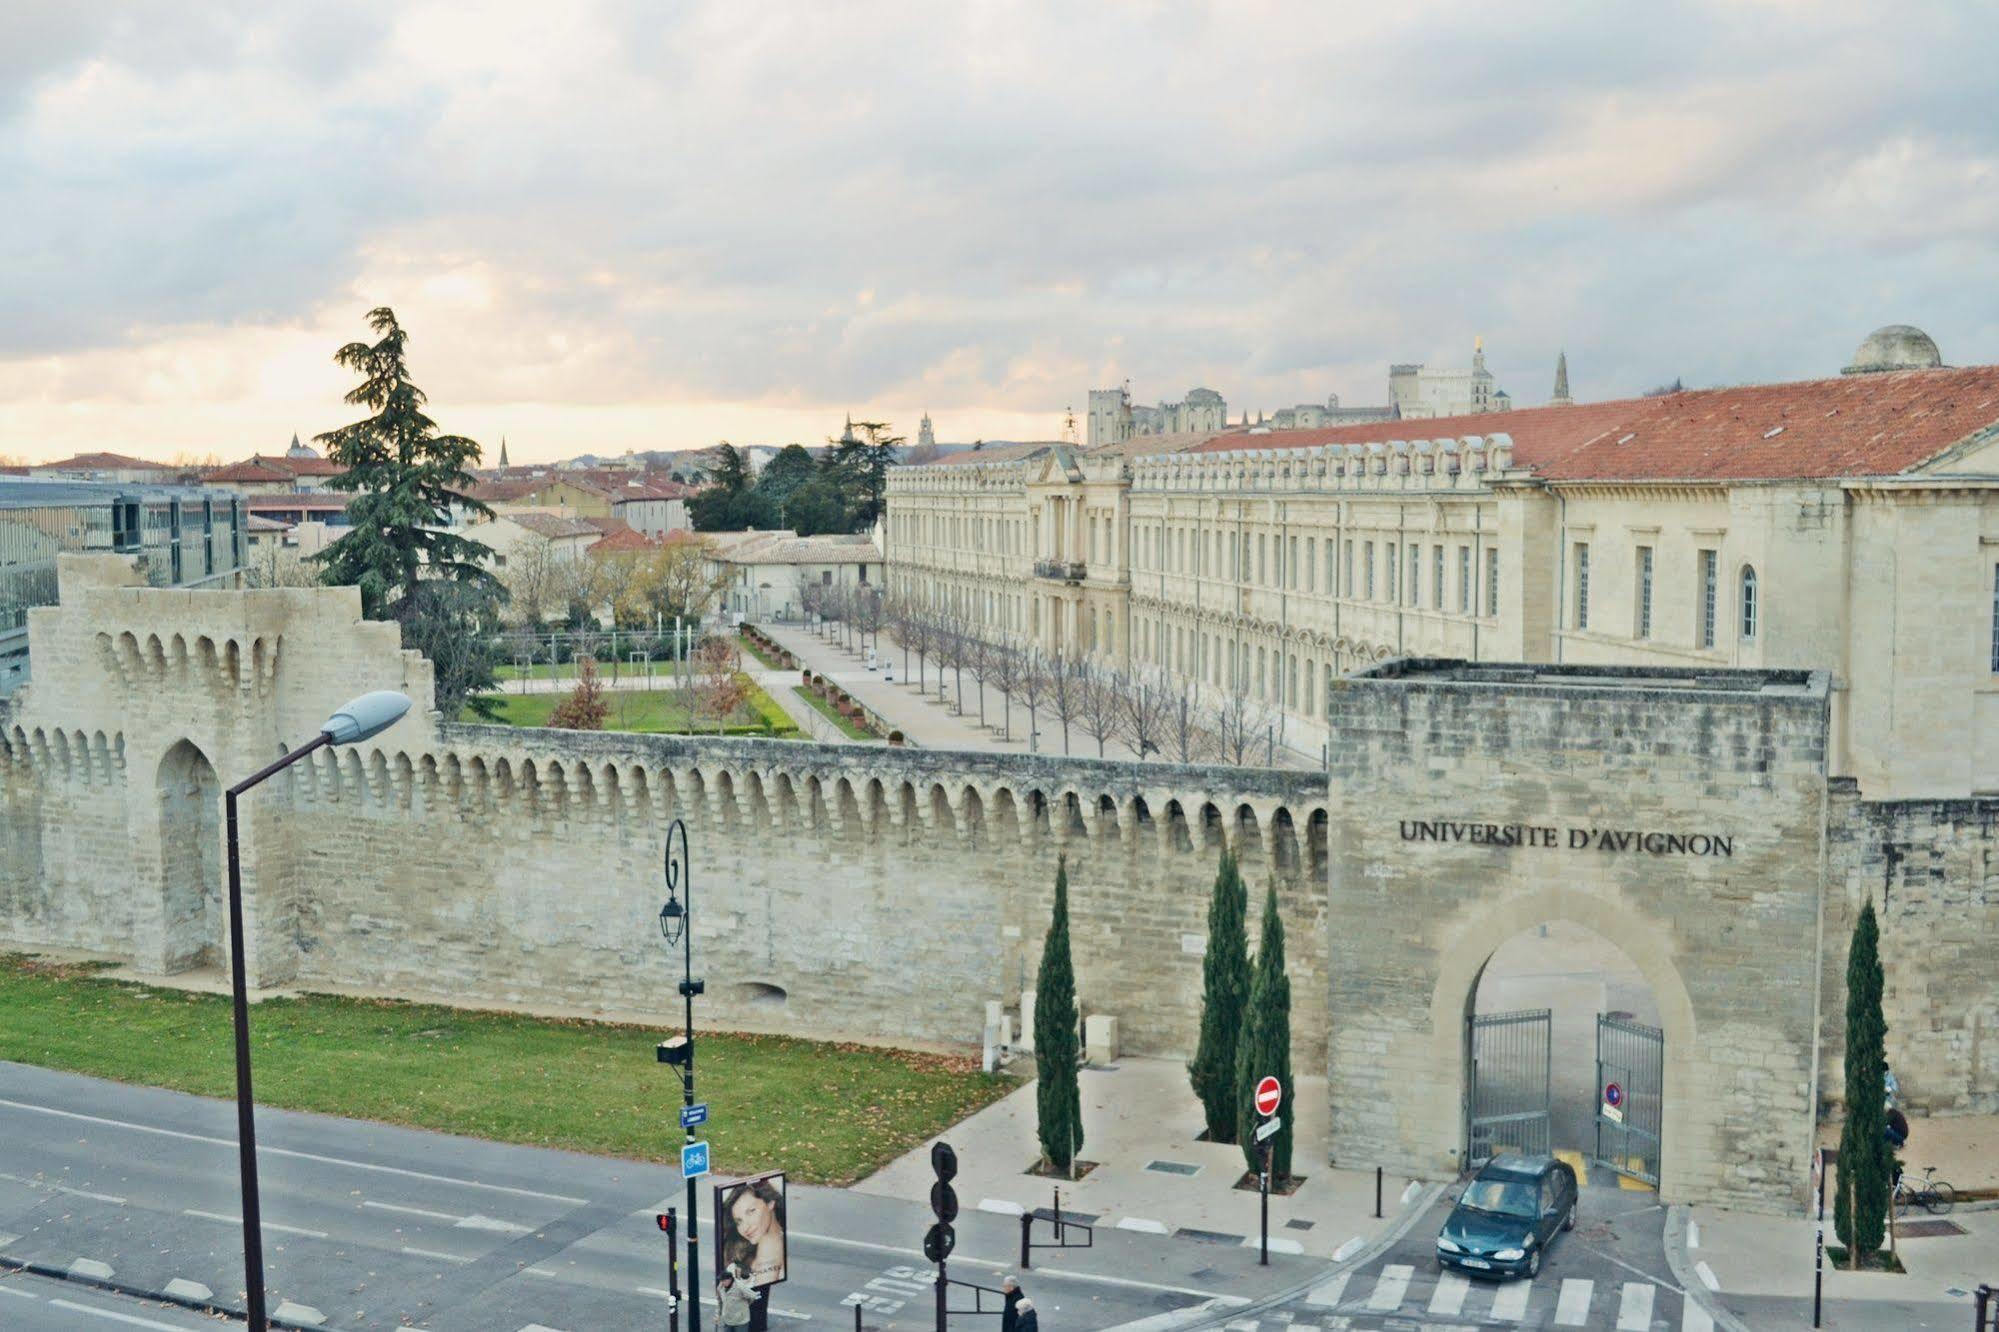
1932	1194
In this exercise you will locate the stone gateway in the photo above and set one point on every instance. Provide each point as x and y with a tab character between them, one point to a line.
889	893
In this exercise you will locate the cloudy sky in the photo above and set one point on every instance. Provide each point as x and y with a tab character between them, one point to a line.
611	225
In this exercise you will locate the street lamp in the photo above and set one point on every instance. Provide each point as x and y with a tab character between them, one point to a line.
366	716
678	1052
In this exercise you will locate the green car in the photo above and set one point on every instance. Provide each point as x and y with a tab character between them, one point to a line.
1508	1215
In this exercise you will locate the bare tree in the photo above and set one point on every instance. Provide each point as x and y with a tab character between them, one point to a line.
1184	736
1097	708
1064	693
1143	702
720	687
870	612
1243	727
1033	689
535	578
979	656
951	641
1003	666
922	636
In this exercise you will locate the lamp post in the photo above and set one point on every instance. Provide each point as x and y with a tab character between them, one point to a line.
674	922
365	716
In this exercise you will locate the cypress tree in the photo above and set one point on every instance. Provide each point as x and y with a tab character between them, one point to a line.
1224	991
1860	1207
1266	1046
1057	1098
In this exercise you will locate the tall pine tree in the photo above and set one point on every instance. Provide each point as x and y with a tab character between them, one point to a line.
1266	1046
399	548
1057	1097
1860	1207
1224	991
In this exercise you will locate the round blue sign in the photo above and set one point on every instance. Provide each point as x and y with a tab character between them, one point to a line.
1613	1095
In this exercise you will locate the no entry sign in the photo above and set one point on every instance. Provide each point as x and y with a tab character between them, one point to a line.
1269	1095
1613	1095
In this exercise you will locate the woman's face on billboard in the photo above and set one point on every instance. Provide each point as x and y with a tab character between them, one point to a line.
754	1217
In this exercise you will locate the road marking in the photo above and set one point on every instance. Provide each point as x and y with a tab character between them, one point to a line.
18	1294
1450	1294
115	1317
415	1252
1707	1276
1693	1233
1572	1309
1327	1293
490	1223
63	1188
226	1219
1695	1319
1510	1300
1390	1289
230	1143
1634	1314
420	1211
1040	1274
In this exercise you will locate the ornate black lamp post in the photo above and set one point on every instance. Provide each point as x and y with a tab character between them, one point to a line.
674	920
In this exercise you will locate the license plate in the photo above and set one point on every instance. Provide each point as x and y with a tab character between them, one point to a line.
1475	1262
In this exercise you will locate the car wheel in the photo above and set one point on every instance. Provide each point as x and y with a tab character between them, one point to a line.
1569	1221
1533	1264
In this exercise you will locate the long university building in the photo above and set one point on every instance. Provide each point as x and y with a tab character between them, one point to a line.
1847	524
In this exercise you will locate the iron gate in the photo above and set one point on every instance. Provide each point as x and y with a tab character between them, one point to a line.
1506	1101
1630	1075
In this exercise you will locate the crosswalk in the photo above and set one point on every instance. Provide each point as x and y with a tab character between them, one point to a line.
1351	1302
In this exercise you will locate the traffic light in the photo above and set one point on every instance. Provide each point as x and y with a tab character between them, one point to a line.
940	1239
665	1220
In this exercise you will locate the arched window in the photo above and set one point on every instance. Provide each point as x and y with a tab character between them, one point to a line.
1749	606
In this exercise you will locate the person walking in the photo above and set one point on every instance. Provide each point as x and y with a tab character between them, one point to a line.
1009	1313
1030	1321
733	1298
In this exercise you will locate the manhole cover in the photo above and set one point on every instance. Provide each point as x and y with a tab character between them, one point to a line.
1173	1167
1297	1223
1927	1229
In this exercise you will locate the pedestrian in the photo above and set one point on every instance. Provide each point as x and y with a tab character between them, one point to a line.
1896	1127
1030	1321
1009	1315
733	1298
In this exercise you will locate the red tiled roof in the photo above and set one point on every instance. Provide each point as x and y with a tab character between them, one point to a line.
295	499
1855	425
252	470
103	462
500	492
623	540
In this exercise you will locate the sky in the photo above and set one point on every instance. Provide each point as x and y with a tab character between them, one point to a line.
611	225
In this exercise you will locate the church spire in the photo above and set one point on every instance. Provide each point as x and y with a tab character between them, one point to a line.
1561	398
503	453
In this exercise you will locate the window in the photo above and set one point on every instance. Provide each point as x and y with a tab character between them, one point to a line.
1437	579
1347	555
1582	584
1710	594
1311	564
1389	564
1492	583
1464	580
1332	583
1367	570
1414	591
1995	619
1644	592
1262	558
1291	565
1749	607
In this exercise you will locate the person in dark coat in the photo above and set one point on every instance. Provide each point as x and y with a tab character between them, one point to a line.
1029	1320
1010	1314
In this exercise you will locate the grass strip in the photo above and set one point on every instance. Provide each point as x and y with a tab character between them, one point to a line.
751	646
646	711
848	726
828	1113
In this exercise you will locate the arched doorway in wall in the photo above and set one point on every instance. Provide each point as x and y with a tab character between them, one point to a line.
1565	1053
190	807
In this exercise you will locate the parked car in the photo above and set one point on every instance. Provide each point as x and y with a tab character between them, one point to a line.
1508	1215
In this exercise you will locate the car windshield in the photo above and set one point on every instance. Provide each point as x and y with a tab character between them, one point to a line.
1502	1197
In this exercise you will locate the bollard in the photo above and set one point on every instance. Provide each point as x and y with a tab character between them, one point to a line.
1026	1221
1377	1193
857	1318
1988	1306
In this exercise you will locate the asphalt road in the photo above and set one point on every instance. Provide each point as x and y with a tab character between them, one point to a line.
370	1226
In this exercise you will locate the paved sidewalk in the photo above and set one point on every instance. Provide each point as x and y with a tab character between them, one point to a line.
1140	1121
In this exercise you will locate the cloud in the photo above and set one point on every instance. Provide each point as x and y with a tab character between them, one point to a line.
982	209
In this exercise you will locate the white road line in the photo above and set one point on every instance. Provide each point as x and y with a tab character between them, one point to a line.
412	1211
1450	1294
268	1225
1572	1309
1327	1294
18	1294
1390	1289
1707	1276
133	1319
1634	1314
230	1143
433	1254
63	1188
1510	1301
1693	1233
490	1223
1040	1274
1695	1319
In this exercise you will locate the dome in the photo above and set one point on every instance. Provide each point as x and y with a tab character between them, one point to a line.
1895	347
298	450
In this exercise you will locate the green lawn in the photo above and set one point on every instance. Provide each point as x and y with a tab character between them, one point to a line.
750	646
848	727
654	711
827	1113
541	670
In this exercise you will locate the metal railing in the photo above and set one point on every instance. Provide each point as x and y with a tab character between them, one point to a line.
1065	570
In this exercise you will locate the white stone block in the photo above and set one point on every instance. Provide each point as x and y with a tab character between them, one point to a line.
1027	1021
180	1288
91	1269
